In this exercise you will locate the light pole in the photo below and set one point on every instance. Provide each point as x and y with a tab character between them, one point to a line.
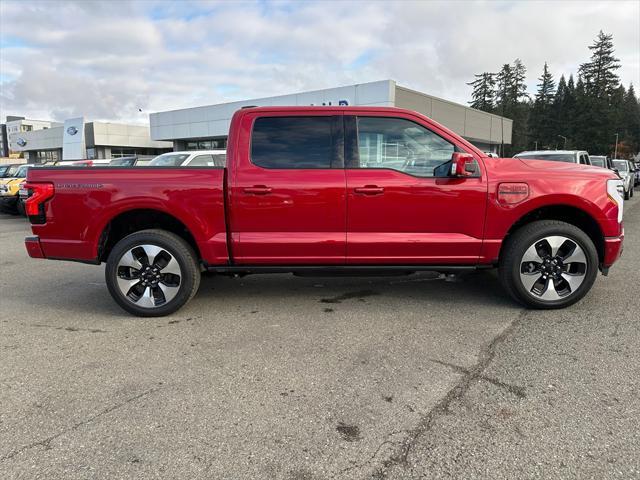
615	154
565	141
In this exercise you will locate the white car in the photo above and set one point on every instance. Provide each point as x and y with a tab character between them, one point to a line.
626	174
191	158
579	157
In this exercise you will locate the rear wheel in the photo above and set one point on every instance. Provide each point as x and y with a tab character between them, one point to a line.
152	273
548	264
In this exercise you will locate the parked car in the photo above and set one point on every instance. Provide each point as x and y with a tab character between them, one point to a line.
636	167
569	156
8	170
195	158
627	174
9	188
601	161
319	190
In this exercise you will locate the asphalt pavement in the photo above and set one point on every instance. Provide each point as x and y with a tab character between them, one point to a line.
277	376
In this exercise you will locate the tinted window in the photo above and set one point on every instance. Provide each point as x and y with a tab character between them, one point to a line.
401	145
292	142
598	161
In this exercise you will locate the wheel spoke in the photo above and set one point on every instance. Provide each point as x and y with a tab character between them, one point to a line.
151	251
529	280
531	255
555	242
146	300
576	255
171	267
169	291
550	292
128	260
574	281
125	284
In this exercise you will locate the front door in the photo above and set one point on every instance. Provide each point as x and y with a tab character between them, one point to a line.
401	208
288	194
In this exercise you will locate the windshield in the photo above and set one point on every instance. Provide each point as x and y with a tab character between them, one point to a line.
598	161
169	160
620	165
12	171
3	170
555	157
22	171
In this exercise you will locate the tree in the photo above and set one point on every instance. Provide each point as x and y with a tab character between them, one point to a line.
518	84
483	94
542	123
504	80
630	117
599	73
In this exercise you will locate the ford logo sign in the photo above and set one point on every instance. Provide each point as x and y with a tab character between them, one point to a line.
21	142
72	130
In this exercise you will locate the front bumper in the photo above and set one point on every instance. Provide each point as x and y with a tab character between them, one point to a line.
34	249
613	247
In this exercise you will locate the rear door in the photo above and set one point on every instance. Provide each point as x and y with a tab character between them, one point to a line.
399	210
288	194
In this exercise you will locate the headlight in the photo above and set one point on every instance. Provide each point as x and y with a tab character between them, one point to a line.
615	191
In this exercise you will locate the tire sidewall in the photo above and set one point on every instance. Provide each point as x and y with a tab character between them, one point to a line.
173	244
561	229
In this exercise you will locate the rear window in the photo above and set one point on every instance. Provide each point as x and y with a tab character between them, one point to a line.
554	157
621	165
598	161
292	142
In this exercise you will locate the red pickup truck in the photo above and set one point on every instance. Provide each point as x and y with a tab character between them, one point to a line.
309	190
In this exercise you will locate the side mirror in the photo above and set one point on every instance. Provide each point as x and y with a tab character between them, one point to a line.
463	165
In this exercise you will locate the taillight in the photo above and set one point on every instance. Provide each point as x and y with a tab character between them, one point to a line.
511	193
34	206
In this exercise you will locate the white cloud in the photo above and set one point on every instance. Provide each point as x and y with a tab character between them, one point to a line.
107	59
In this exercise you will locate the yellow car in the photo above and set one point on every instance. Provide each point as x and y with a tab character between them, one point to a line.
10	186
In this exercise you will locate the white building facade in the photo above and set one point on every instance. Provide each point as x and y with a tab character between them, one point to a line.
208	126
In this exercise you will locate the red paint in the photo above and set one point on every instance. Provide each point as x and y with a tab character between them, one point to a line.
322	217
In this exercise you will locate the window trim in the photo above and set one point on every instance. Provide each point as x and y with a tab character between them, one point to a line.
336	149
352	146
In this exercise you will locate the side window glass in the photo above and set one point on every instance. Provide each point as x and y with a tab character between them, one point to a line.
292	142
401	145
202	161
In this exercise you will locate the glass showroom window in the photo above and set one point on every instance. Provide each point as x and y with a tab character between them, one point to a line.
402	145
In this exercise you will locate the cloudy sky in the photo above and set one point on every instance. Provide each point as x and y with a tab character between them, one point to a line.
105	60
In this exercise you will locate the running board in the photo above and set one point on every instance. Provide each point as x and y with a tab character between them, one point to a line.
341	270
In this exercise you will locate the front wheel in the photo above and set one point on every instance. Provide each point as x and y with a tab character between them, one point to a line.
548	264
152	273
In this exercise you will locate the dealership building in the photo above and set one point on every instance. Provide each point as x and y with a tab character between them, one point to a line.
76	139
208	126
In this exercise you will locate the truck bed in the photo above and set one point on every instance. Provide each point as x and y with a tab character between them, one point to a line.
96	196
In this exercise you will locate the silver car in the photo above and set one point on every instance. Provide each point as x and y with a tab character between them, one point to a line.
627	174
569	156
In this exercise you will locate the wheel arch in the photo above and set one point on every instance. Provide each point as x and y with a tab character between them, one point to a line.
135	220
564	213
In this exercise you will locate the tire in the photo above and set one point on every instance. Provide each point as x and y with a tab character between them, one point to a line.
152	288
627	194
548	284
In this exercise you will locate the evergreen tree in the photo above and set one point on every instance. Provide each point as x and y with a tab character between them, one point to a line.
542	123
483	92
631	119
504	80
599	72
518	85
